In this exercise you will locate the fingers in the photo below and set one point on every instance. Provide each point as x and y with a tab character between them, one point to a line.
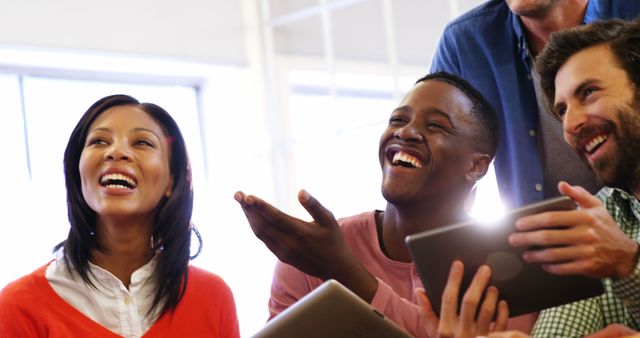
258	212
253	206
431	318
272	243
319	213
548	219
555	237
243	199
558	254
578	194
540	238
508	334
503	317
487	310
579	267
473	295
424	302
271	236
269	224
449	308
239	196
581	227
583	199
468	324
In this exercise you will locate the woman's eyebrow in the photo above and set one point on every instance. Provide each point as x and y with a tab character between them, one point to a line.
147	130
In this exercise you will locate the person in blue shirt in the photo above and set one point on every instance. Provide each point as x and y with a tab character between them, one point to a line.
591	74
493	47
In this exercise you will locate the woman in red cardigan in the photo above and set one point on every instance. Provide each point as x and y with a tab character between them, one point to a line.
123	271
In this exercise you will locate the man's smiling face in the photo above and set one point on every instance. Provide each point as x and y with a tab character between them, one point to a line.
598	105
427	145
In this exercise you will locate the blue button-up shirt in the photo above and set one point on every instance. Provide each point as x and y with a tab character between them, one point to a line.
487	47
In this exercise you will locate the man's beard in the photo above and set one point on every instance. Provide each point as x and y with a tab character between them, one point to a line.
537	10
620	166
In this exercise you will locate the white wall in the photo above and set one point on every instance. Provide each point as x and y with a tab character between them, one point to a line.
213	31
202	30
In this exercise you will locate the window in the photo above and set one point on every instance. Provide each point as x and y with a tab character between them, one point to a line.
225	136
16	238
334	141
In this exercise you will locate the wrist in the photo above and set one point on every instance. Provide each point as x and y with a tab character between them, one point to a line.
632	262
358	279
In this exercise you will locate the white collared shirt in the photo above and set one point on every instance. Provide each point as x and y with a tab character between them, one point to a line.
110	303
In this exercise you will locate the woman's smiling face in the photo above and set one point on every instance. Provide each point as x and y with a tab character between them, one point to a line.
124	165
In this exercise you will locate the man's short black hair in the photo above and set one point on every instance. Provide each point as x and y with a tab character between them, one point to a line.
488	131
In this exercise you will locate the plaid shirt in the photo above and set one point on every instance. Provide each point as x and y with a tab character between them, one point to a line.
620	302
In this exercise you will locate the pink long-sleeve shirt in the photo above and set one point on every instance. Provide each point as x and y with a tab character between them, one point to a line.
394	297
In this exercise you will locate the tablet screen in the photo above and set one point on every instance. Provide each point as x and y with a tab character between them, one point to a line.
331	310
525	286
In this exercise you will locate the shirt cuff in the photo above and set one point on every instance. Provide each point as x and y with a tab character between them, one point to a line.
628	291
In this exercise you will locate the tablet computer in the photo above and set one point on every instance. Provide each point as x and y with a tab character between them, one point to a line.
330	310
525	286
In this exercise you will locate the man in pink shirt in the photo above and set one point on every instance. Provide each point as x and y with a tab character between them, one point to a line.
438	143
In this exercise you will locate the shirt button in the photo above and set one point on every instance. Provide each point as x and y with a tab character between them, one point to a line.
529	76
538	187
127	300
532	132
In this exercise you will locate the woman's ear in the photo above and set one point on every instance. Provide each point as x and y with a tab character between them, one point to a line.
169	190
479	166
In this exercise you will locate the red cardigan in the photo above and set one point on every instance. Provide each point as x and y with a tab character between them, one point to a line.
29	307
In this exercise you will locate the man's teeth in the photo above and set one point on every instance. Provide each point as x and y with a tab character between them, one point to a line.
117	181
404	158
595	142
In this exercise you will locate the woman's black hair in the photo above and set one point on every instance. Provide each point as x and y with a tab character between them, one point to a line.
172	227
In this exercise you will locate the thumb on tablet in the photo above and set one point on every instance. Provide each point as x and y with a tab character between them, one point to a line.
425	304
578	194
430	317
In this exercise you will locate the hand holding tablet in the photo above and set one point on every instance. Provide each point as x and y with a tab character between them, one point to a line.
525	286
